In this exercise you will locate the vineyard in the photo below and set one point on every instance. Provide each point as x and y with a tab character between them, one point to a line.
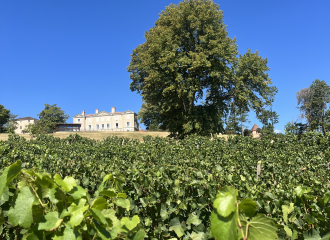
164	188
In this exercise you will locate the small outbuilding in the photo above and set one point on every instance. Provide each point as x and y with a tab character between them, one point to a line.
67	127
254	129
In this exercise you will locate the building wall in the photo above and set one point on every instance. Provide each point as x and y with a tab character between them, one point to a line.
22	124
89	123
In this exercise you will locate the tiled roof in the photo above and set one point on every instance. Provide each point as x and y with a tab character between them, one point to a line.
27	118
255	127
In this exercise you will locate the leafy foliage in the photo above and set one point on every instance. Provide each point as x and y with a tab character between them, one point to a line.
171	185
4	116
40	206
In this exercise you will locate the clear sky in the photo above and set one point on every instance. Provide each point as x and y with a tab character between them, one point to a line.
75	53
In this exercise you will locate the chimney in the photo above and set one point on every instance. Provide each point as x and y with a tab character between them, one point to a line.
83	113
113	110
97	110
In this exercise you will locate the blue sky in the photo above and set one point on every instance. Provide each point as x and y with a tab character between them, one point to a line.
75	53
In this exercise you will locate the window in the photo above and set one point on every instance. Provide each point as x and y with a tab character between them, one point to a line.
20	127
97	127
117	125
102	126
108	118
102	119
28	120
97	119
78	120
127	124
89	120
108	125
116	118
89	127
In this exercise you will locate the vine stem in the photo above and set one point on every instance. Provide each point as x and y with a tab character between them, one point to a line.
35	192
239	223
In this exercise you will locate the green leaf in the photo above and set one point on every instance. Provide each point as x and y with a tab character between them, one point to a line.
101	231
309	218
109	193
225	202
21	214
67	184
139	235
96	213
286	211
198	236
52	222
71	234
75	212
8	175
248	206
175	226
124	203
326	197
77	192
130	224
100	203
299	191
193	219
288	231
122	195
260	227
224	228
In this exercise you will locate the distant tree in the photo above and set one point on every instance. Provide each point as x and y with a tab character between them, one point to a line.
4	117
12	123
235	121
148	115
48	118
190	70
247	132
268	118
291	127
313	105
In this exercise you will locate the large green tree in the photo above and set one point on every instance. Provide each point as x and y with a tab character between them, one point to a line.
49	116
313	105
190	70
4	117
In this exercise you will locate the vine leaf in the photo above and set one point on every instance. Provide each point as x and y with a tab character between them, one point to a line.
175	226
139	235
224	228
130	224
286	211
260	227
248	206
67	184
225	202
313	234
21	214
71	234
8	175
52	222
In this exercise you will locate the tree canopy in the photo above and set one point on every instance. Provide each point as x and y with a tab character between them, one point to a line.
49	116
313	105
4	116
189	70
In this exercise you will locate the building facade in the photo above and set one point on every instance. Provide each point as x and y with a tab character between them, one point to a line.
107	121
23	122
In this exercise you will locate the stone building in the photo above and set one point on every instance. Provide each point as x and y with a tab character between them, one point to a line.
23	122
107	121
